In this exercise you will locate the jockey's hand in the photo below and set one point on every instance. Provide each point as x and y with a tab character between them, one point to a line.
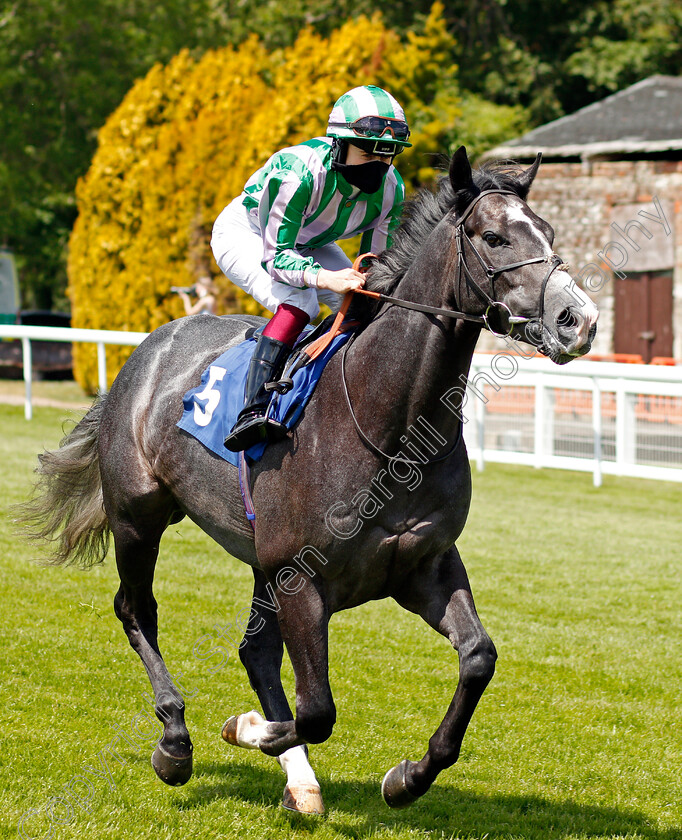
346	280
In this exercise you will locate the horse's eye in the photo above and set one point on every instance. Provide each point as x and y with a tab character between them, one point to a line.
491	239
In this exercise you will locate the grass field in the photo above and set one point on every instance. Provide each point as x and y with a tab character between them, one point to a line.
578	736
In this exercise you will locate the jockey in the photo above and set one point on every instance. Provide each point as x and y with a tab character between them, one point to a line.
277	240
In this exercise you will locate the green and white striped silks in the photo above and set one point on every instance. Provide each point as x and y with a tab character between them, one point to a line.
299	202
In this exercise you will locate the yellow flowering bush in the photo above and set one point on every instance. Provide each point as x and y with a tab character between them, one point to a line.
186	138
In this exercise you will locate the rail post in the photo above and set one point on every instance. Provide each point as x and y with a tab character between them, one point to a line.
27	362
101	367
597	431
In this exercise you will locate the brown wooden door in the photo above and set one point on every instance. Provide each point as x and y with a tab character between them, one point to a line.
643	322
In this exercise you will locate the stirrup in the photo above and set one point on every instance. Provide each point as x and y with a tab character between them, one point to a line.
252	429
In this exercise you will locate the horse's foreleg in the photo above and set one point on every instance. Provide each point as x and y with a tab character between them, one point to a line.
135	606
261	654
303	620
304	623
440	593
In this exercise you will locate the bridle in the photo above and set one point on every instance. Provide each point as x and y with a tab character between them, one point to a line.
492	273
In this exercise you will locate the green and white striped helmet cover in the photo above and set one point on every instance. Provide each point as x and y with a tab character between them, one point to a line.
365	101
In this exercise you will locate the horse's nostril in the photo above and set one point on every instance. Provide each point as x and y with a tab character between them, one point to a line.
566	320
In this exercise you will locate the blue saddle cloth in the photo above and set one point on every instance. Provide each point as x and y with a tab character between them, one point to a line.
210	411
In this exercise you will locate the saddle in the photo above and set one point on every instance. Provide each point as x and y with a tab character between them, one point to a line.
211	409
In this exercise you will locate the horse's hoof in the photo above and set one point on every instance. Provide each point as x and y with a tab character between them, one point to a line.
394	787
229	731
303	799
171	770
244	730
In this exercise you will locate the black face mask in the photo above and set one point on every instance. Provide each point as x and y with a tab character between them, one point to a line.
367	177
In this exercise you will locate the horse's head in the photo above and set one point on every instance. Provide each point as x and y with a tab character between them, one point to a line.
506	265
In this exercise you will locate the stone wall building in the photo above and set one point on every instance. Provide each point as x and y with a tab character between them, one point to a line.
611	186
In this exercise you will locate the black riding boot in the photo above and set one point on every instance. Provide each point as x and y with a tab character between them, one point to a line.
252	426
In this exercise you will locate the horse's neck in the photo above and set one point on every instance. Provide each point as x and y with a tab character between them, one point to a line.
409	365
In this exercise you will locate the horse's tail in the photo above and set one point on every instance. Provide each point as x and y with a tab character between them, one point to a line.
67	507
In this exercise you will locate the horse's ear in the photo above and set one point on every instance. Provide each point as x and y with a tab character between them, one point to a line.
527	177
460	171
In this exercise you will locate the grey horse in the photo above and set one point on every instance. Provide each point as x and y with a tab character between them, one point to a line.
366	497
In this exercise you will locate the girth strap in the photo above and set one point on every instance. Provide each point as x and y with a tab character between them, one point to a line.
245	489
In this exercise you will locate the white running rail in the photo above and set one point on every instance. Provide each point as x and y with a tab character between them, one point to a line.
599	417
99	337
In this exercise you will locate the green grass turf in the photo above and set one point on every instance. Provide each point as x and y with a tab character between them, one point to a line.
578	735
61	393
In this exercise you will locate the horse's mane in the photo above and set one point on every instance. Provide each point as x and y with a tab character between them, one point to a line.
421	213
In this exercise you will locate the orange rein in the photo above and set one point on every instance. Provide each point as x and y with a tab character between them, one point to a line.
320	344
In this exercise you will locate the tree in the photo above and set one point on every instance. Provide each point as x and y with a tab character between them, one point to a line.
65	65
63	68
618	43
555	56
185	139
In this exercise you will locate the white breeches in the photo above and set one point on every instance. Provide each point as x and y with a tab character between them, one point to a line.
238	249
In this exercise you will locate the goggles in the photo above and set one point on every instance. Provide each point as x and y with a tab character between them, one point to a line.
373	127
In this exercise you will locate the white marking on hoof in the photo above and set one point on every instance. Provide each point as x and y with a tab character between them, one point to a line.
245	730
295	764
303	799
302	792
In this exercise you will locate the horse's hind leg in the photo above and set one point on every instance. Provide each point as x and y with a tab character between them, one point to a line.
137	526
261	654
440	593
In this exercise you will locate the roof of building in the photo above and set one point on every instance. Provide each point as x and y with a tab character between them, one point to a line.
644	118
